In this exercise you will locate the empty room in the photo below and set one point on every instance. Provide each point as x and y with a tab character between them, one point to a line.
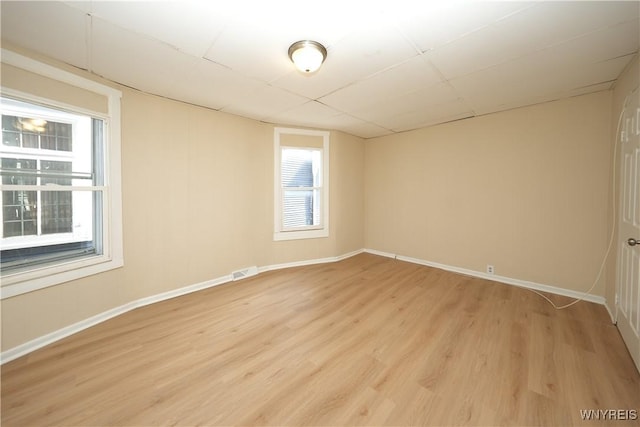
380	213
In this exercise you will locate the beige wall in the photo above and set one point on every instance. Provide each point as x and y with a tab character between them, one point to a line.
628	81
197	204
524	190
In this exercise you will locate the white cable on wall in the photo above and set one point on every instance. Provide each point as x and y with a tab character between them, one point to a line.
614	213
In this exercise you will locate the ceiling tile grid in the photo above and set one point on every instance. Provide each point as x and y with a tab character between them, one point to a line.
391	66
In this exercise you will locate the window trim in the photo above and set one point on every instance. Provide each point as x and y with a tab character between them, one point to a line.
112	257
312	232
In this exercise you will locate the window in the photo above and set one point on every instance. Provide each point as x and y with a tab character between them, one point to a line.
46	152
301	178
59	166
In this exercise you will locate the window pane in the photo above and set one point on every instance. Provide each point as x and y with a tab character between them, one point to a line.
20	228
19	208
30	140
55	172
10	131
301	167
48	142
296	168
56	136
19	171
57	212
10	123
301	208
10	138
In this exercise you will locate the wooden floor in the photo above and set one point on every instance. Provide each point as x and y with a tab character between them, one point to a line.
365	341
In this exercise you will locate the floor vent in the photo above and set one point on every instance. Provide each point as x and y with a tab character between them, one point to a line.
247	272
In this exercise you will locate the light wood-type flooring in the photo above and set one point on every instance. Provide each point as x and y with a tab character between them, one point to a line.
365	341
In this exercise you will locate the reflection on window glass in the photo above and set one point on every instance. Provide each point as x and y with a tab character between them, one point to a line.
19	208
38	133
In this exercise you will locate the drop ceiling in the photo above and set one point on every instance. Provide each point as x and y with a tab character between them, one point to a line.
392	66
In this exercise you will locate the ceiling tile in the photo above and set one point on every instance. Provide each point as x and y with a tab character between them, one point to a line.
23	21
212	85
547	74
590	89
193	32
362	128
530	80
594	74
247	50
407	77
530	30
141	62
432	24
426	115
317	115
619	40
441	93
264	102
311	113
83	5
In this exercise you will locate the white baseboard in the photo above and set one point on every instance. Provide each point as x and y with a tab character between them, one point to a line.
380	253
182	291
28	347
496	278
52	337
309	262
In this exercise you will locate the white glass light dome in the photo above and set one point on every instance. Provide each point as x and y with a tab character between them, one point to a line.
307	55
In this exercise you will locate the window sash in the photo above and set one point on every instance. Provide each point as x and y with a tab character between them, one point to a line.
62	229
316	193
315	156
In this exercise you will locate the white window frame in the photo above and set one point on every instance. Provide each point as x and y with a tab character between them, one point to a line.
21	282
310	232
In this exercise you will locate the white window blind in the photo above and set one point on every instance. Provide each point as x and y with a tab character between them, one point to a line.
301	188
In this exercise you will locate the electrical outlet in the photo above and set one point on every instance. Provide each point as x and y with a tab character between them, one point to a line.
490	269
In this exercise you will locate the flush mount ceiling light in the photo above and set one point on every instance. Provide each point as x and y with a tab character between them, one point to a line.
307	55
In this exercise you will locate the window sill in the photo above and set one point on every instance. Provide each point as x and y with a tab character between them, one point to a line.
303	234
33	280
